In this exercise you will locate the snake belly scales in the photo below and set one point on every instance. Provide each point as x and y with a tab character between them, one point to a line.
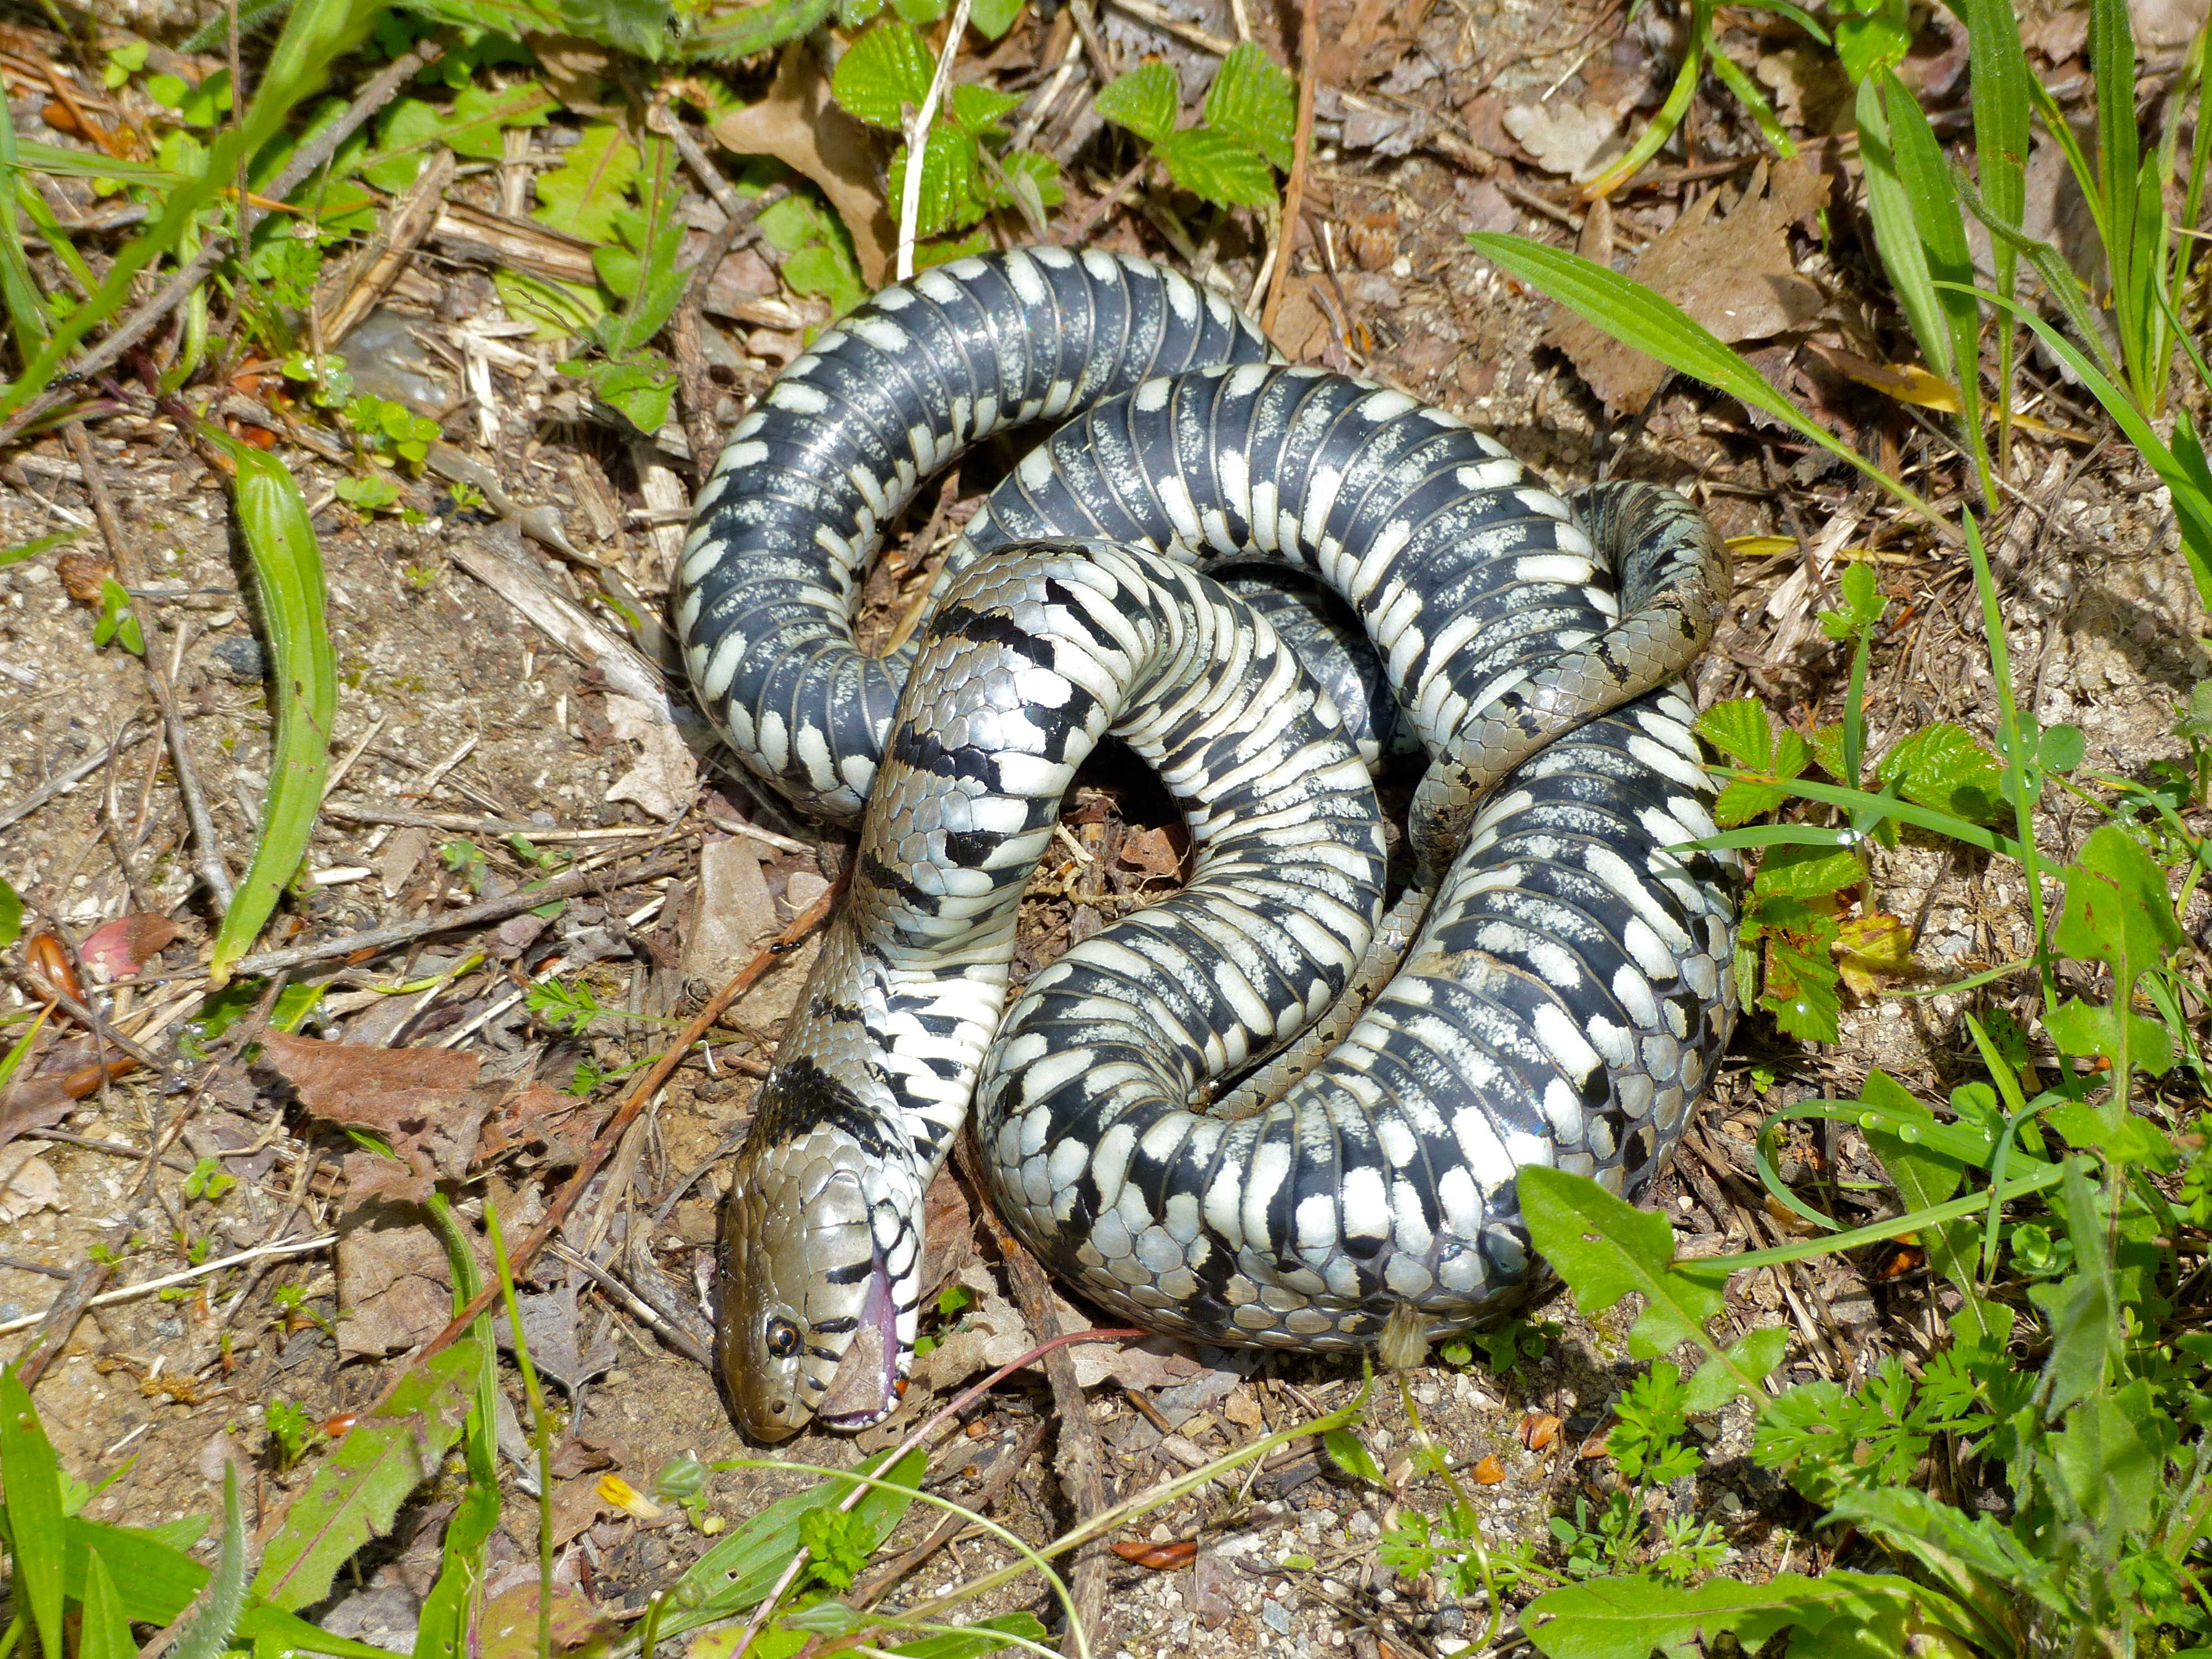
1563	1002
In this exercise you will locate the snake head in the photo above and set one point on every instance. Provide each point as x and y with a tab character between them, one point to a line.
820	1277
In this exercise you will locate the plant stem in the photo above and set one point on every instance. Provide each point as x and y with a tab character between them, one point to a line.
541	1431
1474	1538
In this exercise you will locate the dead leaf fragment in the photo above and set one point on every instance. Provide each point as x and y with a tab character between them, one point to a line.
1580	140
1734	275
421	1101
84	577
799	125
27	1185
1151	851
510	1625
1539	1430
1159	1557
667	776
1489	1471
125	945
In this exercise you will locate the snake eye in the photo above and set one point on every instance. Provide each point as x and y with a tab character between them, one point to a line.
782	1339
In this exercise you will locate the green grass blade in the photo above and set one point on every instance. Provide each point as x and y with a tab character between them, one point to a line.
2048	263
2119	162
1634	315
1877	1232
103	1633
26	311
1924	177
207	1637
34	1479
22	1051
1679	97
288	574
32	156
1897	237
1747	94
1877	808
2003	114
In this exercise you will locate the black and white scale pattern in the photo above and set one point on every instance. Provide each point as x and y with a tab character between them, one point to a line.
1563	1004
1031	660
812	475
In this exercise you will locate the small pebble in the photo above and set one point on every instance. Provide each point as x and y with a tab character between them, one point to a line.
1276	1615
239	655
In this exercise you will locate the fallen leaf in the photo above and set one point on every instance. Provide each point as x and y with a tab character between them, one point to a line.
421	1101
394	1285
1734	275
1581	141
509	1630
1489	1471
948	1231
799	125
579	1453
667	776
549	1322
84	577
576	1504
1870	949
125	945
27	1185
1810	92
1539	1430
990	1333
1160	1557
1151	851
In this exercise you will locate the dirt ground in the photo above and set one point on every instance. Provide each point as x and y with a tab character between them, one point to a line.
463	719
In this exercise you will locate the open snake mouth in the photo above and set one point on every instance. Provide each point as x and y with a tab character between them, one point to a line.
865	1387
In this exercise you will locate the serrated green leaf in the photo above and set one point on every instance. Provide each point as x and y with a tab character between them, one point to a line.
948	198
360	1486
1254	101
208	1635
978	111
1026	171
885	70
1800	992
1943	767
642	389
1740	802
1803	872
1604	1249
583	194
1625	1618
1755	1353
1742	729
2082	1028
1146	100
741	31
1217	168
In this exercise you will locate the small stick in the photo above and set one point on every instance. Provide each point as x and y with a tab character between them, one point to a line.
917	140
1075	233
377	939
183	1276
62	782
1294	189
1081	1462
699	399
212	869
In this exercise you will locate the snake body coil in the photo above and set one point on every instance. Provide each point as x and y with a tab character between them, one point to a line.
1563	1003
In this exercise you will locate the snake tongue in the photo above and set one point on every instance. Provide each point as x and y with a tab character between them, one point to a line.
865	1387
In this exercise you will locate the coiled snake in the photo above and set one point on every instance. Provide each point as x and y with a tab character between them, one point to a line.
1561	1002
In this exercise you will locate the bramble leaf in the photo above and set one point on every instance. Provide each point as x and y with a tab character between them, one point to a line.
1741	729
1146	100
886	70
1254	101
2119	909
1942	765
1225	171
1800	992
1605	1249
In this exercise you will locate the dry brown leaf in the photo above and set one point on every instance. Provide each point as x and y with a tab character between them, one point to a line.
1581	141
27	1185
1159	1557
1539	1430
1734	275
423	1101
1153	851
394	1286
84	577
799	125
1489	1471
667	776
509	1630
